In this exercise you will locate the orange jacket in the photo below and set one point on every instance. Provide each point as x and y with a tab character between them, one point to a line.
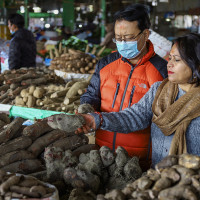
116	85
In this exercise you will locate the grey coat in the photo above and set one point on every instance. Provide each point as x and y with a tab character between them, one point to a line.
139	116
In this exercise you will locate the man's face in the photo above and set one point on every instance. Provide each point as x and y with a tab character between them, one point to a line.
129	31
11	27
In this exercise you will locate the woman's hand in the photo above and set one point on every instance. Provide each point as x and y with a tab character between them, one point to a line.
89	125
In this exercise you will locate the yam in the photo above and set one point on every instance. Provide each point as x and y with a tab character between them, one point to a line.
59	93
11	129
178	192
24	190
168	161
39	145
13	86
14	156
17	91
13	180
18	143
31	89
4	117
38	92
31	101
68	101
24	93
25	166
38	189
70	143
73	91
4	87
36	81
36	130
19	101
29	75
189	161
69	123
162	184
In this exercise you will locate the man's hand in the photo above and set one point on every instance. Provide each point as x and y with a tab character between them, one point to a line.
89	125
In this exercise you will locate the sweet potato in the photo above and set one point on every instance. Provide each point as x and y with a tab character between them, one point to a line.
15	144
12	128
36	130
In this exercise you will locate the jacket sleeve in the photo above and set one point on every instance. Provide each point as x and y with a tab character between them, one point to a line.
93	95
135	118
14	55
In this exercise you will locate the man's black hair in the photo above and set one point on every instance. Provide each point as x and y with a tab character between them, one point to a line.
135	12
17	20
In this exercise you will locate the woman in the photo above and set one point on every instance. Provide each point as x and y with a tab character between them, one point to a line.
172	106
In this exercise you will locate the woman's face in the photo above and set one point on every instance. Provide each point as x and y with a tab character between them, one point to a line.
178	71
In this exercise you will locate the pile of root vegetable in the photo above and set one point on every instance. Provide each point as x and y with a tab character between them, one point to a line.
47	91
17	186
74	61
98	170
12	82
174	178
22	147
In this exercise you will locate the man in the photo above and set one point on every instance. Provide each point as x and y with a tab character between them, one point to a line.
22	51
122	78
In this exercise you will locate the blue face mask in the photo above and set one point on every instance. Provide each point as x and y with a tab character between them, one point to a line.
12	32
128	50
89	34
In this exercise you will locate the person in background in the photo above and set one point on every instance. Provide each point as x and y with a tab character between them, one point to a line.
122	78
108	40
171	107
22	51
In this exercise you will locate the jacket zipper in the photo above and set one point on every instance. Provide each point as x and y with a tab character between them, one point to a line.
131	96
116	93
123	97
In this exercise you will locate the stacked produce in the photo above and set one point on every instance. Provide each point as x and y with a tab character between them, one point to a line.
96	170
65	97
73	61
175	177
83	45
17	186
12	82
41	88
21	146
